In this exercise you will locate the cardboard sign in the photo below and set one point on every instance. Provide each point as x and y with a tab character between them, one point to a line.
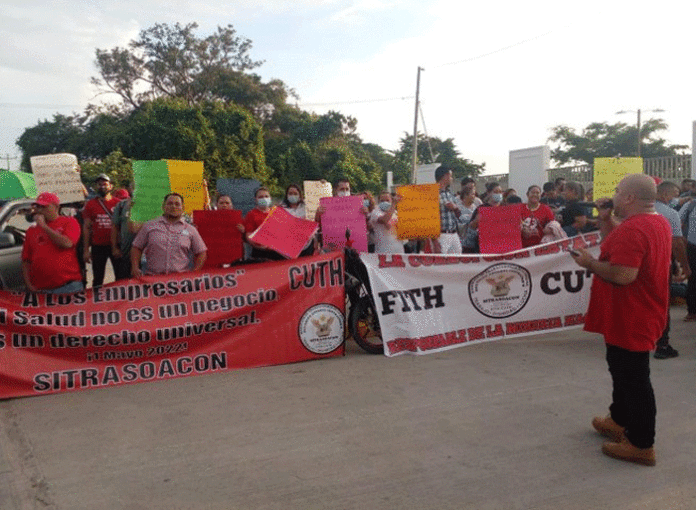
186	179
151	181
241	191
284	233
609	171
313	192
499	229
220	234
419	211
343	214
58	173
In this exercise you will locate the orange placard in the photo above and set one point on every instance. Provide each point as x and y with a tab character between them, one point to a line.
418	211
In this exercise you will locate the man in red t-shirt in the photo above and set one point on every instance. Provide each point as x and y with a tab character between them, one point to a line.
49	258
97	229
628	305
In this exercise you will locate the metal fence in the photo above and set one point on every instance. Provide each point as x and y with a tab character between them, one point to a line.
670	168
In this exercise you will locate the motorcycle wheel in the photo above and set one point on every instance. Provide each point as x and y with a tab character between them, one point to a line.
364	326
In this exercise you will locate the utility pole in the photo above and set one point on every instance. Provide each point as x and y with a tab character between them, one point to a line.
415	129
640	138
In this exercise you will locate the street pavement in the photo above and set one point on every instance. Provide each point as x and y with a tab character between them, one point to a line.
500	425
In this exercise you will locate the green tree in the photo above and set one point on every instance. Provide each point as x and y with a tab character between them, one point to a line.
171	61
603	140
115	165
443	151
62	134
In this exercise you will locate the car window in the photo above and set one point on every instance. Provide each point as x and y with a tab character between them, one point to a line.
16	223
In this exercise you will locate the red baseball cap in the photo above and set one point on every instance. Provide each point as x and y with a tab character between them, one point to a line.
121	194
47	199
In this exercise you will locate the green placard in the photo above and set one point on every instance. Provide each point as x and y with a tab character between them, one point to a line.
151	179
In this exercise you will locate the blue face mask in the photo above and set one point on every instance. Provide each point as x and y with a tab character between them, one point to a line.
674	203
385	206
497	197
264	202
366	203
293	199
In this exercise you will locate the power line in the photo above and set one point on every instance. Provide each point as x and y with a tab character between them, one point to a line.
358	101
499	50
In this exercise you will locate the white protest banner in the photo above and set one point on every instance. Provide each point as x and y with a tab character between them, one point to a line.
430	303
57	173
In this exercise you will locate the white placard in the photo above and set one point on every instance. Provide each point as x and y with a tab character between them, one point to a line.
57	173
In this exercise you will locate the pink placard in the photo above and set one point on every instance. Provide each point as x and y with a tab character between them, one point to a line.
343	214
499	229
284	233
220	234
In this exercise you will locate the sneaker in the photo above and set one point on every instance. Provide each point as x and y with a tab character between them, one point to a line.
666	352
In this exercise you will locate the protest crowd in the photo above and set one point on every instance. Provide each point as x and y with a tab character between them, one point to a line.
656	251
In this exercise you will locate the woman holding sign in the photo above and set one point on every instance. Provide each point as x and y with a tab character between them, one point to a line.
253	221
293	201
383	222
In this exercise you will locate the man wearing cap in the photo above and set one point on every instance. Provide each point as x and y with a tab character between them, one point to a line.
49	257
97	229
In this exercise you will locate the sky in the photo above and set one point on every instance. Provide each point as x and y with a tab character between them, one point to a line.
497	75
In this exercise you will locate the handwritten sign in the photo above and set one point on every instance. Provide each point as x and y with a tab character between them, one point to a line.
284	233
241	191
499	229
57	173
220	234
419	211
151	180
186	179
343	214
609	171
313	192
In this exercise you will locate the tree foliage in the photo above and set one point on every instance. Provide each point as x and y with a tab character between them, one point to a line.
171	61
443	151
603	140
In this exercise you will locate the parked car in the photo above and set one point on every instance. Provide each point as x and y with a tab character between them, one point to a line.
14	222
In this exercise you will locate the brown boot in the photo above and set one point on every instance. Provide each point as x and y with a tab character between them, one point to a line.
626	451
608	427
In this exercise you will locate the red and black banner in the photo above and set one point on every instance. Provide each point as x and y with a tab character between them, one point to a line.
172	326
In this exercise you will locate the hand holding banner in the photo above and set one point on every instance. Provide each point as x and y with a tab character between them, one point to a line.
419	211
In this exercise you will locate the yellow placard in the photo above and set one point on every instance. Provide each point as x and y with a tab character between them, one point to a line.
609	171
186	178
313	192
418	211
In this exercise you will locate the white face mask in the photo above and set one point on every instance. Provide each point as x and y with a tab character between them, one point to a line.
343	193
497	197
264	202
293	199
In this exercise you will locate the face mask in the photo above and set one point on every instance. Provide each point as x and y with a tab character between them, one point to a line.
293	199
366	203
674	202
385	206
497	197
264	202
343	194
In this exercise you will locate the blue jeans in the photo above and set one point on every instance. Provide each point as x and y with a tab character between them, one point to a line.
68	288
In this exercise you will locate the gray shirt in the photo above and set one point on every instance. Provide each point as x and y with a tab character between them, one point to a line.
670	215
691	234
